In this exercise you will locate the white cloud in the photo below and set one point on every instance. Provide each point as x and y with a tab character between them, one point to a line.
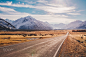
33	12
54	19
80	10
58	9
7	3
15	5
48	7
19	2
6	9
55	5
74	13
23	3
28	1
10	11
12	17
42	1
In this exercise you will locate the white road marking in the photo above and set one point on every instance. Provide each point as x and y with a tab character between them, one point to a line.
60	46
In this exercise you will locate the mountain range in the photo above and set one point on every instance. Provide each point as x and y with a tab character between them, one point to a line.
73	25
30	23
82	25
4	25
10	21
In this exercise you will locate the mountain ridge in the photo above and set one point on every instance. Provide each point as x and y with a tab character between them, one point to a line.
73	25
31	23
4	25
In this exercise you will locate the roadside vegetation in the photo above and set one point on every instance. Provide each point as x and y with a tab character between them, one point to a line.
74	45
14	37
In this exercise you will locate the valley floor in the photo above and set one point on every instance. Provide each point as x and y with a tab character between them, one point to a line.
15	37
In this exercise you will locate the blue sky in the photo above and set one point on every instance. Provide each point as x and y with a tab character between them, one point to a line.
52	11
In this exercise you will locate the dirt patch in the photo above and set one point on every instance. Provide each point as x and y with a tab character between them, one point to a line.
72	48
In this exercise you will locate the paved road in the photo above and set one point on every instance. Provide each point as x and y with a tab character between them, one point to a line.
39	48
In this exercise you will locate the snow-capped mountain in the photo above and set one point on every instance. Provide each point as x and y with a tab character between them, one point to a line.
73	25
30	23
58	26
82	25
10	21
4	25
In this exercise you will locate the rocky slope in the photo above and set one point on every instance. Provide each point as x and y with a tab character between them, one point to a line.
4	25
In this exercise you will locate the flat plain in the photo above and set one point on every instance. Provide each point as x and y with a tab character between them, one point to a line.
14	37
73	46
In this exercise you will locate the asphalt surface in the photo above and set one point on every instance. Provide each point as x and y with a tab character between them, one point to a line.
39	48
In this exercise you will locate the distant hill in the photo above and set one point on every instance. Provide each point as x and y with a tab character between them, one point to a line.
82	25
4	25
73	25
30	23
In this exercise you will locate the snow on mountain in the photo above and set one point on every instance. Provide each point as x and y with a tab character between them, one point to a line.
82	25
31	23
4	25
73	25
10	21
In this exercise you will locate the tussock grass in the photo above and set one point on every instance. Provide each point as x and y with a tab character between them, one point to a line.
14	37
79	37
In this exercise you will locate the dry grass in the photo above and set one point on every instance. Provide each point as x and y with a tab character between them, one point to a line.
10	37
80	37
74	45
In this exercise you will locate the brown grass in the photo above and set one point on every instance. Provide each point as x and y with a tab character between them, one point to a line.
80	37
10	37
74	45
